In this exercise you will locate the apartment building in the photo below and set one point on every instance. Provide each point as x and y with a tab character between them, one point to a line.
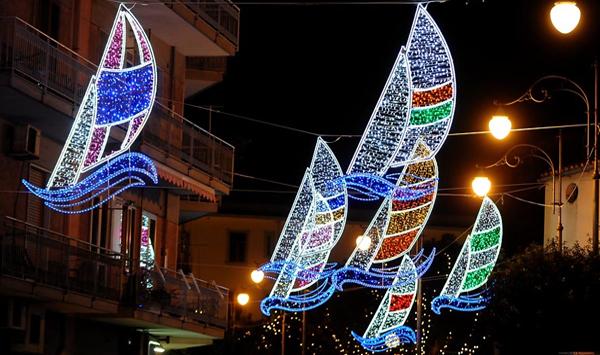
107	280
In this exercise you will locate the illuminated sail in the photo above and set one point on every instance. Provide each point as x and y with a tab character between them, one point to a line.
474	263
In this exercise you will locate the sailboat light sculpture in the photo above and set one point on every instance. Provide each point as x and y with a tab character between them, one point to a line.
474	264
116	95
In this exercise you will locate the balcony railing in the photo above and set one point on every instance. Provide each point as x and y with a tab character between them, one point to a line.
41	59
30	54
218	64
165	291
178	137
223	15
46	257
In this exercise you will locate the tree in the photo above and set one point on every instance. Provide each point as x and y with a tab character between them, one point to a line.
545	301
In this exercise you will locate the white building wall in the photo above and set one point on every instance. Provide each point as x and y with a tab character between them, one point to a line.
576	216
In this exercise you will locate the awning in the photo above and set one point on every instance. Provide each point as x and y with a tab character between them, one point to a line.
176	178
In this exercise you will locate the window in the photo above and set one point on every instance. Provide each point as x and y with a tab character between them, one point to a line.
116	226
237	246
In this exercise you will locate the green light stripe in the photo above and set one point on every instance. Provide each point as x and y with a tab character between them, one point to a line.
421	116
485	240
478	277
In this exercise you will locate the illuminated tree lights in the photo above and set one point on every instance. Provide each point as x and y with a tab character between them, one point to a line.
474	264
115	95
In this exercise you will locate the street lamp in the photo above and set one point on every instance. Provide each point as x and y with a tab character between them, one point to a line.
257	276
565	16
243	299
481	185
500	126
543	95
513	160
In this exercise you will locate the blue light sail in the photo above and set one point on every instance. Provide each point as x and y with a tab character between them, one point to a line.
124	94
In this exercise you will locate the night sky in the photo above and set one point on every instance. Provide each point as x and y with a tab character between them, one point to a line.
321	68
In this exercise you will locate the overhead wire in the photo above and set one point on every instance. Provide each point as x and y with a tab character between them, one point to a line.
280	3
338	136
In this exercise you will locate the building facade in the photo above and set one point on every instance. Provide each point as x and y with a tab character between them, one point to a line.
577	211
228	247
108	281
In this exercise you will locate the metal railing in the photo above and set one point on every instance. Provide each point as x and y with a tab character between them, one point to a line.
178	137
218	64
166	291
46	257
224	16
51	65
29	53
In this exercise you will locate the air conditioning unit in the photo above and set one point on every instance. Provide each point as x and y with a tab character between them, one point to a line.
26	142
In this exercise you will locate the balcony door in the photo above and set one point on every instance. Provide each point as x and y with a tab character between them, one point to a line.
148	234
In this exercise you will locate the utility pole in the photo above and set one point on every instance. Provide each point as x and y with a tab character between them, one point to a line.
559	228
282	333
419	302
303	332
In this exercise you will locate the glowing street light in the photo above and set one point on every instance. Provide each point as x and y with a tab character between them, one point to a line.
243	299
481	186
363	242
257	276
157	348
565	16
500	126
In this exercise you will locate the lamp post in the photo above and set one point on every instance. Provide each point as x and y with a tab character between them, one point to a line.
513	160
543	95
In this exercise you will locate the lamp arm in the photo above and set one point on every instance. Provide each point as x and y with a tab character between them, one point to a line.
514	160
530	94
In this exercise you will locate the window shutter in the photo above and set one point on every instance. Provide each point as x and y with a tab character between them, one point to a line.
35	206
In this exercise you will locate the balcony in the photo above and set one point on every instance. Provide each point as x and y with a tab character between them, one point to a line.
197	27
76	276
203	72
53	75
43	263
162	291
223	15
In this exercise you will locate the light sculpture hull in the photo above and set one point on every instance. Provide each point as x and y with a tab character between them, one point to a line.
116	95
474	263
